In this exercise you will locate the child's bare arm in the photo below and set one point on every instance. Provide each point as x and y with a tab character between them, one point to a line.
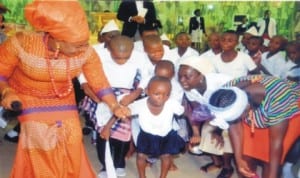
105	132
126	100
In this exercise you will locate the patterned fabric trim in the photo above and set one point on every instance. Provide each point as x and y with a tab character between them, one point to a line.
103	92
2	78
49	109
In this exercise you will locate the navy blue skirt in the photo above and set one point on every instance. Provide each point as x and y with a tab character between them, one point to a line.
154	145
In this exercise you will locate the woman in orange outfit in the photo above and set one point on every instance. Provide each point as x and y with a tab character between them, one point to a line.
36	71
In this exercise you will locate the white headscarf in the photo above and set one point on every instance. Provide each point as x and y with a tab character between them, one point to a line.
202	65
233	111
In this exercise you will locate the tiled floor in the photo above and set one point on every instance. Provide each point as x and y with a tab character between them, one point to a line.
188	164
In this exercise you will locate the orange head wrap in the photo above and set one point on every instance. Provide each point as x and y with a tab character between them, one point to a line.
63	20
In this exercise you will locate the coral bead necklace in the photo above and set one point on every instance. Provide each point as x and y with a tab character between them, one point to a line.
68	89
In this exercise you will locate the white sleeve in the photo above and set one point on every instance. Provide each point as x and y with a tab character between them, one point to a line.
250	64
82	79
177	107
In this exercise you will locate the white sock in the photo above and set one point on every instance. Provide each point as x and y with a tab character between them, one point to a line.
287	170
3	122
12	133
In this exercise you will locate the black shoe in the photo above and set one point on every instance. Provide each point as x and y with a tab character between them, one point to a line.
11	139
226	173
86	130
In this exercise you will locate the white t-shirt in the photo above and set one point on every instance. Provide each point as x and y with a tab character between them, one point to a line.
176	58
119	76
275	64
208	55
213	82
239	66
160	124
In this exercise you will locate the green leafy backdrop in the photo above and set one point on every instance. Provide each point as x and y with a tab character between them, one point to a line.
218	14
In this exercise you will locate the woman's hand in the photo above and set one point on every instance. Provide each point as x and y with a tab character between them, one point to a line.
10	100
89	92
244	168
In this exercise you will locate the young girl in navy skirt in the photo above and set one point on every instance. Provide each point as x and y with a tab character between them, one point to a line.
157	136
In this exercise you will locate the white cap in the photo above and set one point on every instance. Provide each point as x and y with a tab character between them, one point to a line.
110	26
199	63
253	31
164	37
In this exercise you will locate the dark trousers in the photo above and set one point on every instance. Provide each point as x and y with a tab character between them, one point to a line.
294	153
118	151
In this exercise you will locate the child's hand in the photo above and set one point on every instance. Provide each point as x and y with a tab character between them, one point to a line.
194	140
219	140
105	133
121	112
126	100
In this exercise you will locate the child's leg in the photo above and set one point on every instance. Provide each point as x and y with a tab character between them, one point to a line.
119	149
100	146
173	166
131	150
141	164
166	161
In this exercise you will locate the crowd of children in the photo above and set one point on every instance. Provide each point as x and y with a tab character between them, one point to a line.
162	85
199	76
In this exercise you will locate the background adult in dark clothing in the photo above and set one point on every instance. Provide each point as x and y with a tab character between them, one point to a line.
132	13
196	28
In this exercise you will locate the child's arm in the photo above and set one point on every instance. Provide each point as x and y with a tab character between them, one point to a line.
127	99
255	71
263	69
105	132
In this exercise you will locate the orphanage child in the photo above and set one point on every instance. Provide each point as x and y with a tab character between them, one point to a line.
155	52
138	45
230	61
293	56
157	137
242	45
166	69
109	30
124	69
213	41
183	48
253	47
235	64
293	74
273	61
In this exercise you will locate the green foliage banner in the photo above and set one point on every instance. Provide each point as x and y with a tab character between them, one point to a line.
175	15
